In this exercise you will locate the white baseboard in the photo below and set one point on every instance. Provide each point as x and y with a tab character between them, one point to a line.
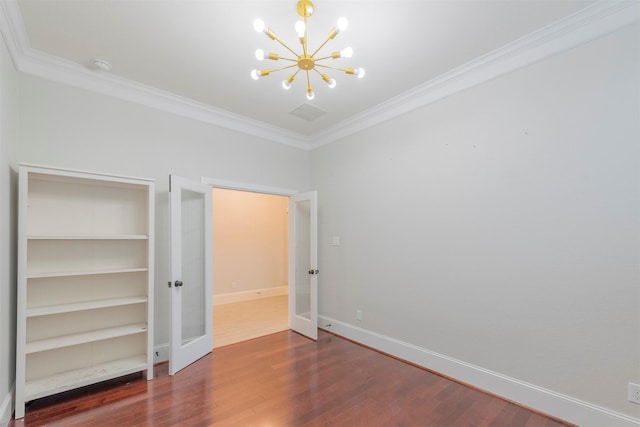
6	408
547	401
249	295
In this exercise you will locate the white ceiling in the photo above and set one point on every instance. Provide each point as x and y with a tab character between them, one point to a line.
204	50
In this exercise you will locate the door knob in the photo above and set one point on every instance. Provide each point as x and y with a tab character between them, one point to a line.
178	283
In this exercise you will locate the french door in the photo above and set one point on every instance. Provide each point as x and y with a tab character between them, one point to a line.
191	272
303	264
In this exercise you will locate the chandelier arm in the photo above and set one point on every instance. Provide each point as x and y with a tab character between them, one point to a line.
330	67
285	46
325	57
322	45
282	68
309	87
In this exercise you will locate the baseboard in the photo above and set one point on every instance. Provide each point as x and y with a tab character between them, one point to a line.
249	295
547	401
6	408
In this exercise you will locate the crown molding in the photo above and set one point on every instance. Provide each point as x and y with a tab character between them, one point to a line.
590	23
595	21
12	30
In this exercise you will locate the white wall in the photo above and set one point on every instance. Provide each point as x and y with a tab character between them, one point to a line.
500	226
8	121
249	241
69	127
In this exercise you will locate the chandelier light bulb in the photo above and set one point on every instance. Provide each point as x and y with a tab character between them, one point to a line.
287	83
300	29
359	72
330	82
259	54
255	74
310	95
342	24
347	52
259	25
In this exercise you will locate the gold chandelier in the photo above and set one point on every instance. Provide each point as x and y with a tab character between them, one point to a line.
306	61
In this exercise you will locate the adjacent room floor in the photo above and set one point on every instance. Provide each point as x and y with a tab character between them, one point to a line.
241	321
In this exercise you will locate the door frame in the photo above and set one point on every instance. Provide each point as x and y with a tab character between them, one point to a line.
242	186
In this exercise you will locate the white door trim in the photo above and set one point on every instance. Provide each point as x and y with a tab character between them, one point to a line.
243	186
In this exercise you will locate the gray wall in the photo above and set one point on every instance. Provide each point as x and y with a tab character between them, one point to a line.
8	122
73	128
500	226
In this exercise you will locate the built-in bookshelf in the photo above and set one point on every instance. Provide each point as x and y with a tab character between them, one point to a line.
85	280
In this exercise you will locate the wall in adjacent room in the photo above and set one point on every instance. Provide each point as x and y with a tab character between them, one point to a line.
73	128
249	241
500	226
8	191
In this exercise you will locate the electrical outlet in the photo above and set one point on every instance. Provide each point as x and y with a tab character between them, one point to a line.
634	393
161	353
359	315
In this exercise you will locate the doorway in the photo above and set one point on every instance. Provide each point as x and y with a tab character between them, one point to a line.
302	284
250	265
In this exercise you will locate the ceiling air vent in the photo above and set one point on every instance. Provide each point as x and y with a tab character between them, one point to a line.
307	112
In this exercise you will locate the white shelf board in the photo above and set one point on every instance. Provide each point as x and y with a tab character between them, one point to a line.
88	305
92	237
84	337
69	380
84	273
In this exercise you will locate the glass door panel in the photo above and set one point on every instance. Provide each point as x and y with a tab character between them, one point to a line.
193	266
303	264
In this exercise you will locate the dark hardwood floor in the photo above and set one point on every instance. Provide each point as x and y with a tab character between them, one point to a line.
284	379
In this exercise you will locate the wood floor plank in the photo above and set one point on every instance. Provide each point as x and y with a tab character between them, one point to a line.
284	379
